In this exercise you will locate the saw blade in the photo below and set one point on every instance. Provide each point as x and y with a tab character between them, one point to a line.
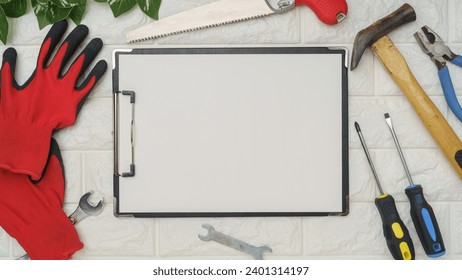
214	14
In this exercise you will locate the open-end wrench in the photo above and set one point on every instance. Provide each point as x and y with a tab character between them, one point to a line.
212	234
84	210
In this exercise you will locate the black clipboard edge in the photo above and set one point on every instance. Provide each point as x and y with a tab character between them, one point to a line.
243	50
345	137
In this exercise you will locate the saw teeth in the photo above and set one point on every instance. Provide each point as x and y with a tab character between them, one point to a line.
196	28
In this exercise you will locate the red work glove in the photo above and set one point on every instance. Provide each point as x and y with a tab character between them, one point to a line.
49	100
31	212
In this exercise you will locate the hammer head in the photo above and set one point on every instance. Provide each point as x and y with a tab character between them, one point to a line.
368	36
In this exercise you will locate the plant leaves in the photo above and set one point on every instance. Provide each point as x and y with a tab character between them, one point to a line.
15	8
78	11
55	13
3	26
5	1
150	8
66	3
119	7
40	10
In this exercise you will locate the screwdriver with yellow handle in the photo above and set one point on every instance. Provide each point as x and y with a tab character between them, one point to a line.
396	234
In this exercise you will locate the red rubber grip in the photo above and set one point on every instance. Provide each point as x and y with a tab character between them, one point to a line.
328	11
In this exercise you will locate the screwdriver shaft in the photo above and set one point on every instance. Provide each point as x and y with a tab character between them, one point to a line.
369	159
398	147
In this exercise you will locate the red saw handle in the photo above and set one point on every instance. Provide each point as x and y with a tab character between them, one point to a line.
328	11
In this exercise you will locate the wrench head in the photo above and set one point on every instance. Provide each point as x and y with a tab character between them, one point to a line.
88	207
208	236
258	255
265	249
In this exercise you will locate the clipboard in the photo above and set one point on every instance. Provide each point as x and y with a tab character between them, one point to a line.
223	132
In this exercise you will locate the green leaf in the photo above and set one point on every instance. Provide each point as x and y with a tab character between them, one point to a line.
77	12
150	7
15	9
55	13
3	26
5	1
66	3
119	7
101	1
40	10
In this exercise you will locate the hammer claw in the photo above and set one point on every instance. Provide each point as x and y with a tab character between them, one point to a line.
368	36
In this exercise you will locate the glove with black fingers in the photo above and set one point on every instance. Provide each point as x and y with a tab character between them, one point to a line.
49	100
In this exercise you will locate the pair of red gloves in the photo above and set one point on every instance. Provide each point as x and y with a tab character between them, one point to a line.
31	168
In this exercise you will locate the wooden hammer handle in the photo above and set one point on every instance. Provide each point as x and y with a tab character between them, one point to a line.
436	124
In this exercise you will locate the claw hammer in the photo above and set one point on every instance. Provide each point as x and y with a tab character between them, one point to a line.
376	36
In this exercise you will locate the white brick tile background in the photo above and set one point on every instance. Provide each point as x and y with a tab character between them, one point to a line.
87	146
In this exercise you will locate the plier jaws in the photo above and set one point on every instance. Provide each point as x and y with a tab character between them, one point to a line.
432	44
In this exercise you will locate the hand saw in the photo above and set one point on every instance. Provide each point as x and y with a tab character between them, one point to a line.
229	11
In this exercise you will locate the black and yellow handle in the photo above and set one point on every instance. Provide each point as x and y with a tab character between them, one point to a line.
399	241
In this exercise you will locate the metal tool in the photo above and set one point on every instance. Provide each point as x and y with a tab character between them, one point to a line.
398	147
229	11
396	234
212	234
422	214
84	210
397	67
440	53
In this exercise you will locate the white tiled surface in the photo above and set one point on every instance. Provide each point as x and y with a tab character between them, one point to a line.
88	158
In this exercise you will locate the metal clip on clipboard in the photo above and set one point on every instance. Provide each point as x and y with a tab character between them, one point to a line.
130	93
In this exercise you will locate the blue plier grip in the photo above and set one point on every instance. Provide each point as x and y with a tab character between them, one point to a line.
457	61
448	88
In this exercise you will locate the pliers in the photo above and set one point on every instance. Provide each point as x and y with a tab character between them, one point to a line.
434	46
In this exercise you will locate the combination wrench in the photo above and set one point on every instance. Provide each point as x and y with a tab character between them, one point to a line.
84	210
212	234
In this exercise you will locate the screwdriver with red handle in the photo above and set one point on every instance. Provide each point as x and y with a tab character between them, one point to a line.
396	234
